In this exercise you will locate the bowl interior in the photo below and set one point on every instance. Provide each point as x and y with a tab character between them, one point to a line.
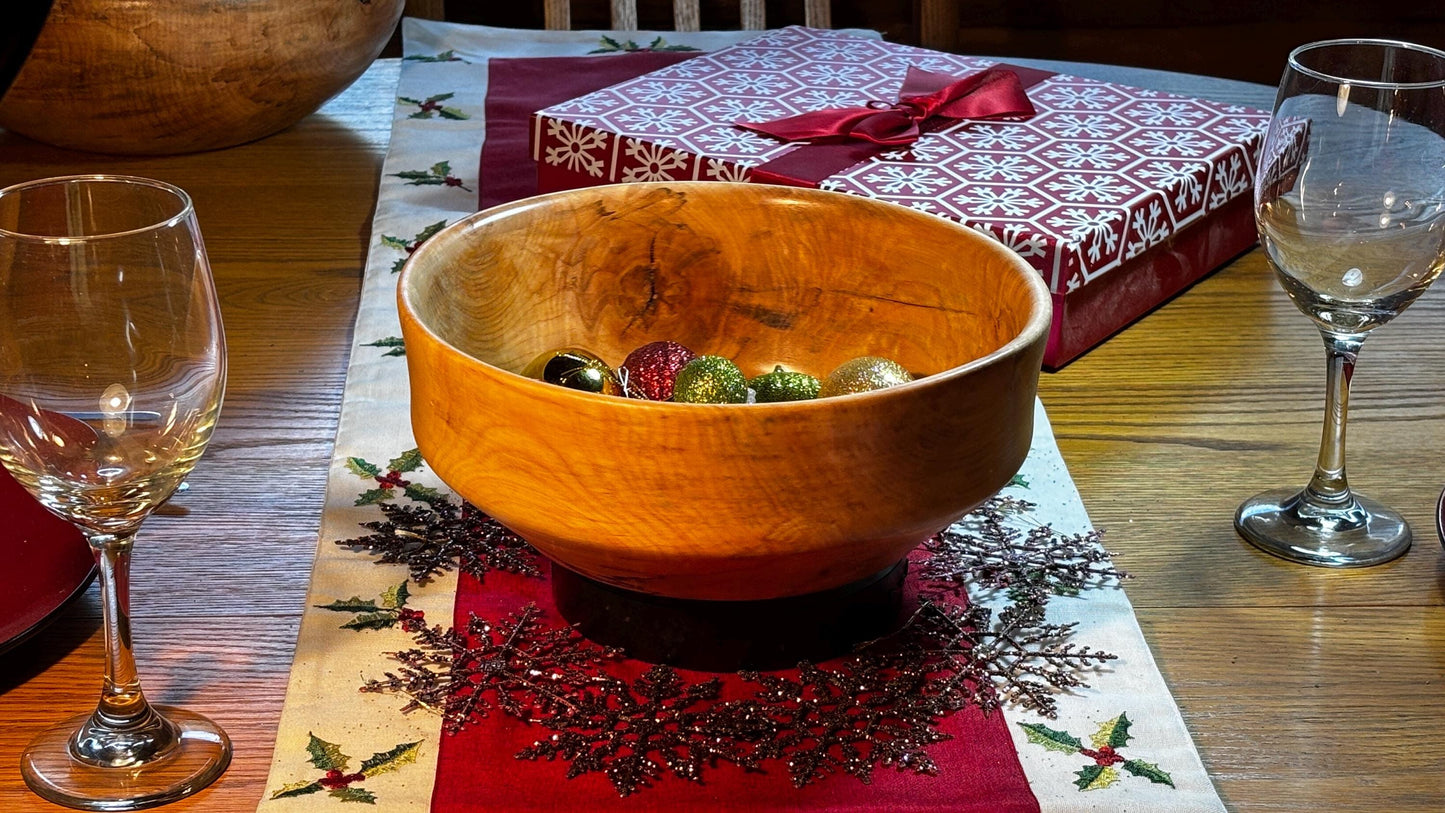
760	274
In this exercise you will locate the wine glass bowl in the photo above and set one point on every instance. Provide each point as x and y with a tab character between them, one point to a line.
112	369
1350	204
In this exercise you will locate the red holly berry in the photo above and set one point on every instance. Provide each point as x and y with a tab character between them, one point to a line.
1105	756
652	369
411	620
450	181
336	779
392	479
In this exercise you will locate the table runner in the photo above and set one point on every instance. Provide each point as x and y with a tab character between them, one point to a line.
1116	744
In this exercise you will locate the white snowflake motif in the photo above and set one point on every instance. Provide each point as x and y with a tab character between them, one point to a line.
927	149
899	65
1167	114
655	92
840	75
1094	228
1230	181
896	180
1017	237
733	141
1161	143
999	137
591	103
1186	181
1087	97
1149	228
1239	129
720	170
822	99
781	36
731	110
831	185
575	144
757	60
756	84
1009	201
1073	155
1072	125
655	162
1075	187
656	119
689	69
985	167
847	50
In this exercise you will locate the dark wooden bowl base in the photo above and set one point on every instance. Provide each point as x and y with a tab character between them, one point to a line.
725	636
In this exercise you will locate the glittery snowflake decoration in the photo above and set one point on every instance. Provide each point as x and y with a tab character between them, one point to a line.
988	551
440	536
881	706
515	665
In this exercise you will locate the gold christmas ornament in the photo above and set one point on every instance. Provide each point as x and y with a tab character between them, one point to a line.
575	369
864	374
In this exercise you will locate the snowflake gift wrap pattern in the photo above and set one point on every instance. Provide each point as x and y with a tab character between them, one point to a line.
1119	196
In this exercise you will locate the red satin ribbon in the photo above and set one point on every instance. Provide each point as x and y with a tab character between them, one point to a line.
989	94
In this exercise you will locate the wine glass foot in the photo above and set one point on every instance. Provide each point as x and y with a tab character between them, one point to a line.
1282	523
199	756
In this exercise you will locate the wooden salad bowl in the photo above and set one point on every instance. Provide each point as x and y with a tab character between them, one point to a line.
160	77
708	501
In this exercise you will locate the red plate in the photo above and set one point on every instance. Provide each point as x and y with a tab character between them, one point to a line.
46	564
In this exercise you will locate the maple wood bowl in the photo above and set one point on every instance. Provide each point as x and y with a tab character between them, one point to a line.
162	77
707	501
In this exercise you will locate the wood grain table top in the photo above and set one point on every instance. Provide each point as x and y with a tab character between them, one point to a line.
1305	689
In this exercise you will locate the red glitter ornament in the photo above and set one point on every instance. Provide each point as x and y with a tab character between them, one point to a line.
650	370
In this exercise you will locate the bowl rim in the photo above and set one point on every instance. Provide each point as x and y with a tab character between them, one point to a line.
1034	330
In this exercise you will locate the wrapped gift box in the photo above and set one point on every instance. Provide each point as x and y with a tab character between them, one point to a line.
1121	197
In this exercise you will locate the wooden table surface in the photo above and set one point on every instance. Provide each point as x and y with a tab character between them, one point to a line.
1305	689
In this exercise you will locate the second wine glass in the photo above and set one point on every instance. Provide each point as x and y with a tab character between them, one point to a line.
112	367
1350	204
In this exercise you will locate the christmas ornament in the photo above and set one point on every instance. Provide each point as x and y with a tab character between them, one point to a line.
575	369
651	369
781	385
710	380
864	374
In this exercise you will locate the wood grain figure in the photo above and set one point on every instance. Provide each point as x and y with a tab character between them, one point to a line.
713	501
158	78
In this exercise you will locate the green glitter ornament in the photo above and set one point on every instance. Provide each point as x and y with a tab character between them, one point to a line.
710	380
781	385
864	374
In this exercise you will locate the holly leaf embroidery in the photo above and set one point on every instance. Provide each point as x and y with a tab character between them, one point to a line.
1149	771
354	795
430	231
1052	739
373	496
380	620
1094	777
441	169
408	461
301	788
355	604
326	755
422	493
394	242
361	468
388	761
1113	733
396	345
395	597
417	176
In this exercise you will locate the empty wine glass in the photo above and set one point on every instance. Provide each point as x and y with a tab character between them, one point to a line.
112	367
1350	203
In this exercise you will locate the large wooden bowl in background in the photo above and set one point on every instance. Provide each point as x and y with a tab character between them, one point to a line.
162	77
722	501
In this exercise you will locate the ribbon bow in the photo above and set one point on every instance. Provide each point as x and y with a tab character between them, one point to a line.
925	95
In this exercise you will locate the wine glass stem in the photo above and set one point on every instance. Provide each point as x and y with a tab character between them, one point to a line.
1328	488
124	730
